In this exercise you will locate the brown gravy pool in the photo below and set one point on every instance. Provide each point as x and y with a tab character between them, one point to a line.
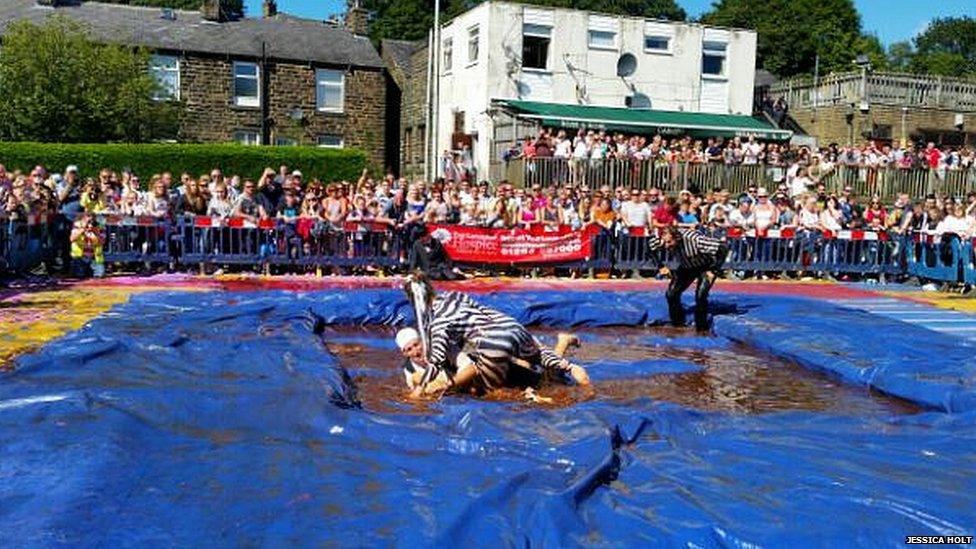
735	379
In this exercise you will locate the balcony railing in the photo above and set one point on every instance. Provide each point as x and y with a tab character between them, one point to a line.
887	182
883	88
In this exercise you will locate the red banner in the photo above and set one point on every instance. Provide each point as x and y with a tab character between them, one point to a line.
536	245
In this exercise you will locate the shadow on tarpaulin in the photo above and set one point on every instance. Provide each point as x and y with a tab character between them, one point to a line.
222	419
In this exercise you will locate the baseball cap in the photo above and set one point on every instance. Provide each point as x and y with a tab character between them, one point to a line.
296	173
71	168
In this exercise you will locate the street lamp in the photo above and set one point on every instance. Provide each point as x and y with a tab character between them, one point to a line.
864	62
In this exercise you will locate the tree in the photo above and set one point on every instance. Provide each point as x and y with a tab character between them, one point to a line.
900	55
60	86
233	8
792	33
412	19
946	47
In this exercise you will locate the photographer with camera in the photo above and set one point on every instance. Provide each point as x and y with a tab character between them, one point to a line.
87	241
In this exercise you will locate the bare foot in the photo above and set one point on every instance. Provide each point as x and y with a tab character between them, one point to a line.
579	375
564	341
531	395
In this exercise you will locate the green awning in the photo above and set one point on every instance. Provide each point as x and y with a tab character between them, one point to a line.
695	124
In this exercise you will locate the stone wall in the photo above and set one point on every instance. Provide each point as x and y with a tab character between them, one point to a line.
206	91
830	124
413	109
209	115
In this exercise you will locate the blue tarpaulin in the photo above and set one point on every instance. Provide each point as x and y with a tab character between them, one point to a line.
222	419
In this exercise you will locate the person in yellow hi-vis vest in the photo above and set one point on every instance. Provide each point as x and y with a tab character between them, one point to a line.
92	200
87	241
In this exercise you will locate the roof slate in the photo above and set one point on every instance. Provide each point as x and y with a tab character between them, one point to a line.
286	37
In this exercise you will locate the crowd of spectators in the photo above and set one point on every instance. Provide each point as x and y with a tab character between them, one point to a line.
598	145
283	194
312	209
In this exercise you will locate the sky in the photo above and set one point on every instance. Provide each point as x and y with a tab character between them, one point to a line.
890	20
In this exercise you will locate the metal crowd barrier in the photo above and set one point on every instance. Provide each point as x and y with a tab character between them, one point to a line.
131	239
24	244
213	241
847	252
969	262
236	241
936	257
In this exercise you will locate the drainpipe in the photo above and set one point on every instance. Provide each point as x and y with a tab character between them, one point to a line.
265	96
428	113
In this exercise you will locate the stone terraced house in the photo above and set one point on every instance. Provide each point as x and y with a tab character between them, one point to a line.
270	80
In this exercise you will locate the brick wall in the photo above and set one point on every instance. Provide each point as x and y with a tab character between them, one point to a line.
830	125
206	89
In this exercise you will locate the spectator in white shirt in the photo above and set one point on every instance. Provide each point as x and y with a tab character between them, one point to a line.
957	223
635	212
742	217
751	151
801	183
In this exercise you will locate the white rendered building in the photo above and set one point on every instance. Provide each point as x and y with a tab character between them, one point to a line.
500	53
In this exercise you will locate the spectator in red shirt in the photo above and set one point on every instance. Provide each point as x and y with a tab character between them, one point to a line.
932	155
875	214
665	215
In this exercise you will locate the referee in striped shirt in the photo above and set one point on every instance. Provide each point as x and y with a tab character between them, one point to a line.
698	258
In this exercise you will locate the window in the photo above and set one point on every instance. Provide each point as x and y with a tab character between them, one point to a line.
657	44
535	46
603	39
165	69
285	142
448	54
713	58
246	86
602	32
330	141
473	44
247	137
330	90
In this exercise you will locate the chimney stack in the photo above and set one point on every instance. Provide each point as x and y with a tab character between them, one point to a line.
269	8
357	18
212	10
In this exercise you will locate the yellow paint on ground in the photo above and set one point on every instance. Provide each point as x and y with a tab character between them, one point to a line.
954	302
29	320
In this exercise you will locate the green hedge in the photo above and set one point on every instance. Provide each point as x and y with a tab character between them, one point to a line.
148	159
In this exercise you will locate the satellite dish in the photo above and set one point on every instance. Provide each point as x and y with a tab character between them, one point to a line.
638	101
626	65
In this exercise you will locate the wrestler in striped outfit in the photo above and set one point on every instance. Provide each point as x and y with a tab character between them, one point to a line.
495	343
699	258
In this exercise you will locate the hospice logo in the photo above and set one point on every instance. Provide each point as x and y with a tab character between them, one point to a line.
938	540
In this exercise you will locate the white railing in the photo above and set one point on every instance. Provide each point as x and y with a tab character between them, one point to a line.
883	88
631	173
